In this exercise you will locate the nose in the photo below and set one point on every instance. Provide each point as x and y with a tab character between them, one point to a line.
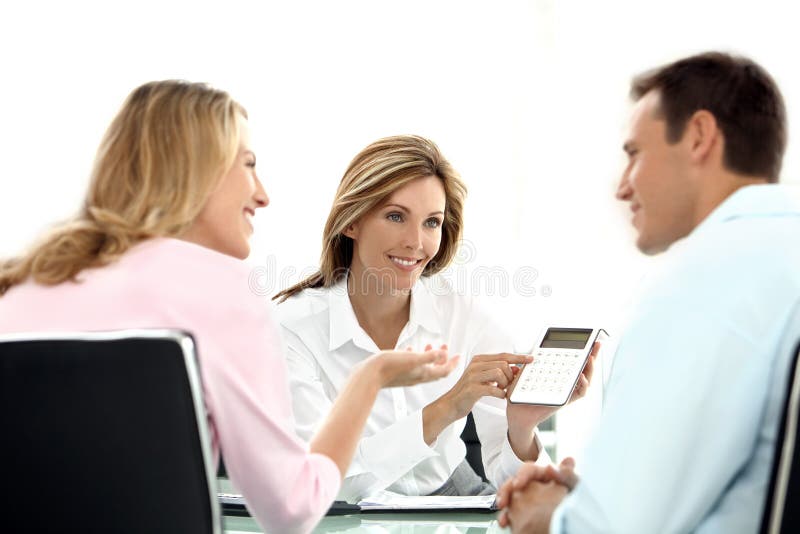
624	189
413	237
260	195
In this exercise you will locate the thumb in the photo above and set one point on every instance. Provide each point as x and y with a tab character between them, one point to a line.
567	474
441	368
432	356
440	356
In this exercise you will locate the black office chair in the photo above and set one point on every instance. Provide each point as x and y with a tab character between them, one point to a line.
782	507
105	432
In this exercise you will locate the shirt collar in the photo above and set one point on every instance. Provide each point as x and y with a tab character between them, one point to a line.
343	322
344	325
756	201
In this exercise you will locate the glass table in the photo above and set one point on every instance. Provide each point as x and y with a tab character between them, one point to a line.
400	523
384	523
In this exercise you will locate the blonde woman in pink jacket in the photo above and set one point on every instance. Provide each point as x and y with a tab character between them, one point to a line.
159	243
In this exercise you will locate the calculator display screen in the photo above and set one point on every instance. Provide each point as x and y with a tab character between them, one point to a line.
566	338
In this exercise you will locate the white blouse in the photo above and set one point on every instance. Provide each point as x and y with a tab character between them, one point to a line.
325	341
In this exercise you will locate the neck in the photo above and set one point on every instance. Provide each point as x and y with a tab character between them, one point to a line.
380	311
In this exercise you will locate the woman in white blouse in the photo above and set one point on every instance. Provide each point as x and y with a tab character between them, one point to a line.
396	221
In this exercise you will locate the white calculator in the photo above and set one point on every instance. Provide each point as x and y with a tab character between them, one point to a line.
557	364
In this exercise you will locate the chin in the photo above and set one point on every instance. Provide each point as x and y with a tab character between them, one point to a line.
404	287
402	283
651	248
410	282
240	251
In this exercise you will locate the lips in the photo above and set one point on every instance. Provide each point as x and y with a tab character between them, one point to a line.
405	263
249	213
635	208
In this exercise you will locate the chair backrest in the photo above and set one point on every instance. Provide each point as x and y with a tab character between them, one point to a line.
782	505
105	432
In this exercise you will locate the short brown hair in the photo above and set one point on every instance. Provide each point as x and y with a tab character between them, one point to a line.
741	95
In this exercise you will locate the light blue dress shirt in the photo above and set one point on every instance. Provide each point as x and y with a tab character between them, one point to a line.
685	443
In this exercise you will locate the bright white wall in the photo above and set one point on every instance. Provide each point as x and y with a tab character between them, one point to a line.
527	99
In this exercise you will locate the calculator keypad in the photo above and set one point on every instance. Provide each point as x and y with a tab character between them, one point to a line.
553	372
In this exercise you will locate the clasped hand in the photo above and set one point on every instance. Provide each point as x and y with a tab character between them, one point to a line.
527	501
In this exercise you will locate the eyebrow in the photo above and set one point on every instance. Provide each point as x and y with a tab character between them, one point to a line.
409	211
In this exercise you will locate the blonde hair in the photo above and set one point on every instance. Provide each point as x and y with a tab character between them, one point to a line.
159	160
374	174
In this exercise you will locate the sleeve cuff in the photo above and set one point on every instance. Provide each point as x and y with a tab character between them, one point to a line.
395	450
328	472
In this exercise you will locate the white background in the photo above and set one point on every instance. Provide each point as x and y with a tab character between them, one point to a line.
527	99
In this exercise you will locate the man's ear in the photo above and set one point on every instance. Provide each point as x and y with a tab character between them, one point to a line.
703	136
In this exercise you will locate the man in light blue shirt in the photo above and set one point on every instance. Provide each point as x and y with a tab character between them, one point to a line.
686	440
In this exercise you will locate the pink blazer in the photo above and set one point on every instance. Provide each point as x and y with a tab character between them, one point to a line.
174	284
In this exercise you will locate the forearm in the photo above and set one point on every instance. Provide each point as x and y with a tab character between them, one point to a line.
386	455
338	436
436	416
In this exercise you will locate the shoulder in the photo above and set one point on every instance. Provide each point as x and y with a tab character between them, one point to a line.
172	257
735	279
742	256
194	277
750	232
448	300
305	310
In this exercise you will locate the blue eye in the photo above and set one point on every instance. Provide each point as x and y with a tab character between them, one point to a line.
433	223
395	217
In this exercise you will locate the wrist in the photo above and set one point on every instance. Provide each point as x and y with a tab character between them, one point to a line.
524	443
372	372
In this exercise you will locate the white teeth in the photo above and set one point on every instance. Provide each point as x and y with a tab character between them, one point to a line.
404	262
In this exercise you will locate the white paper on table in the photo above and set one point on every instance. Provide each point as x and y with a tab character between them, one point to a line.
387	500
